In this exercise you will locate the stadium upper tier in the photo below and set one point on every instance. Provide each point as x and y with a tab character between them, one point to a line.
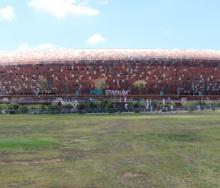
85	72
50	56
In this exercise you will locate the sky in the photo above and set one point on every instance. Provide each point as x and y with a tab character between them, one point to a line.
151	24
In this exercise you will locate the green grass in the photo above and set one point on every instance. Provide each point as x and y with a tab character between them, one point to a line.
161	151
25	143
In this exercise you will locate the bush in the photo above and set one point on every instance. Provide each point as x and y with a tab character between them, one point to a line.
190	105
3	106
13	106
92	105
105	104
43	107
137	106
110	105
33	107
68	106
54	108
81	107
23	109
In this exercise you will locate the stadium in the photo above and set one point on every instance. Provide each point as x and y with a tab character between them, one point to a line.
43	76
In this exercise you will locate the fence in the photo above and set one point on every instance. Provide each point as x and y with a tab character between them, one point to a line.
110	110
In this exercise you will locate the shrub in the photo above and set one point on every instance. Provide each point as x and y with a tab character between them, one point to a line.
3	106
92	105
23	108
105	104
190	105
68	106
109	105
81	107
53	108
32	107
137	105
13	106
43	107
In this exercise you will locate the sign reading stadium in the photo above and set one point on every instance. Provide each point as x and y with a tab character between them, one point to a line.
116	92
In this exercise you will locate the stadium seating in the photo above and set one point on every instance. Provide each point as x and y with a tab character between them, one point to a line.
72	72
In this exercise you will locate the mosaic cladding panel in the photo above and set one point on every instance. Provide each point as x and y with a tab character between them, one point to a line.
170	77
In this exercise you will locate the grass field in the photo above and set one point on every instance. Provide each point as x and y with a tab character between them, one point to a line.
160	151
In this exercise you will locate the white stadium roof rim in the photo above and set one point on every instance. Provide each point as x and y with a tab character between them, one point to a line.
63	55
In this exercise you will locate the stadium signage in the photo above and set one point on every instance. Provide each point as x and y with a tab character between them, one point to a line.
116	92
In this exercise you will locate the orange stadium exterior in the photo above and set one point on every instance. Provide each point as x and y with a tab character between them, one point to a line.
75	73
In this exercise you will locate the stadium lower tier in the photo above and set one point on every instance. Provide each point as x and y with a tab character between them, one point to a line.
112	78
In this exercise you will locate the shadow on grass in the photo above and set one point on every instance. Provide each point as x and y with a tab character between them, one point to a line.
170	137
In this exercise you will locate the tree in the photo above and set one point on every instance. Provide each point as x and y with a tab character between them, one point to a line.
43	83
140	85
100	83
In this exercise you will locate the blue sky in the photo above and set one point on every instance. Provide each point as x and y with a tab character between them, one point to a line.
163	24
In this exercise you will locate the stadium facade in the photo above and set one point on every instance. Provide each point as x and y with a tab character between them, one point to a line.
110	72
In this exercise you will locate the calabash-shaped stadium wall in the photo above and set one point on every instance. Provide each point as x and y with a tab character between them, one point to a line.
75	72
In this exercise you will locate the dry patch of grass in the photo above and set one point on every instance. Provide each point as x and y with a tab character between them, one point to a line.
39	161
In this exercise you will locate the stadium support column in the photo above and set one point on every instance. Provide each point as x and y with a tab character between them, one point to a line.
125	103
147	107
164	103
114	101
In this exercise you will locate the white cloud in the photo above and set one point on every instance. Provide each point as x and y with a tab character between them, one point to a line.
7	13
63	8
41	47
96	39
47	47
103	2
23	47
